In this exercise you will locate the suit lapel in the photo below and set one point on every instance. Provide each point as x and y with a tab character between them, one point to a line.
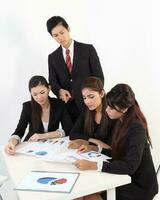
60	61
50	114
75	57
41	127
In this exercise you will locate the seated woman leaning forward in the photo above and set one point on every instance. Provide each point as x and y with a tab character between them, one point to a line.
92	125
43	115
130	147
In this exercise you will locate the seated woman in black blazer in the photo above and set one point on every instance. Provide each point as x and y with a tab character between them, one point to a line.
92	125
130	148
43	115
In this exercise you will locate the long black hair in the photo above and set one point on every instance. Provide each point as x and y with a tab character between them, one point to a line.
36	108
95	84
121	96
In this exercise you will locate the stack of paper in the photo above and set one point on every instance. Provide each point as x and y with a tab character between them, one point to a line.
71	155
56	150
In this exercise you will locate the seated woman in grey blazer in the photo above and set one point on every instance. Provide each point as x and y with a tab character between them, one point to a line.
43	115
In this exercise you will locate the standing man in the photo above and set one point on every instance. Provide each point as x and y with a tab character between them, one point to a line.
69	65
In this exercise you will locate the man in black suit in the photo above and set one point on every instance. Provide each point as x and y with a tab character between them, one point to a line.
68	70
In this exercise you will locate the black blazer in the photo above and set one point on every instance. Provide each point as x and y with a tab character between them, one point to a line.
104	135
85	63
137	163
58	114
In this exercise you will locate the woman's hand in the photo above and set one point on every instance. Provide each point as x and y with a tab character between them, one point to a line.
10	148
99	143
86	147
75	144
85	165
36	137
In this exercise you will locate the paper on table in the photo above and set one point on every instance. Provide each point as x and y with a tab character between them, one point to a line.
45	181
95	156
43	148
56	150
71	155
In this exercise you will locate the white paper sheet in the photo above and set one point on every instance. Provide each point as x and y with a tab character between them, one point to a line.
56	150
71	155
42	148
44	181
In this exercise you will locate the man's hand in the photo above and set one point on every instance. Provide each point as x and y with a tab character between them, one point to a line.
64	95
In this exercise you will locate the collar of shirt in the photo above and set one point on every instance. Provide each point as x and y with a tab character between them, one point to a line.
71	48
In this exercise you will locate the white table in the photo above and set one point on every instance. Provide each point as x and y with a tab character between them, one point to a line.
2	179
88	182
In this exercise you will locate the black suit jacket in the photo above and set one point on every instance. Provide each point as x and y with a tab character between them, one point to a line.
58	114
85	63
103	134
137	163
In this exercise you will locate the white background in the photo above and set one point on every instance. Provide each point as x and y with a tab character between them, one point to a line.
125	33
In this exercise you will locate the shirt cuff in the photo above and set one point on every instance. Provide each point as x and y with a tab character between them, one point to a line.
61	132
99	166
99	148
16	137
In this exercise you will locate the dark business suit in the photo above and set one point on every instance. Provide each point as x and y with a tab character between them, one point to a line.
85	63
99	133
138	164
58	114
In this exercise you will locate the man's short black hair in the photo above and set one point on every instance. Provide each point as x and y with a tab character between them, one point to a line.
54	21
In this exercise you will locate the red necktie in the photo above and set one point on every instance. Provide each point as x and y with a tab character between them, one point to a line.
68	60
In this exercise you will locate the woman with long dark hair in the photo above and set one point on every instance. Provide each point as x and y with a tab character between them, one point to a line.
43	114
130	147
92	125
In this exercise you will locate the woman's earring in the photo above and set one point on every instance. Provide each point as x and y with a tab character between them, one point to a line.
125	110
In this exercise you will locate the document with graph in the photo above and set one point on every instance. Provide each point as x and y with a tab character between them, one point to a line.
42	148
71	155
48	181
